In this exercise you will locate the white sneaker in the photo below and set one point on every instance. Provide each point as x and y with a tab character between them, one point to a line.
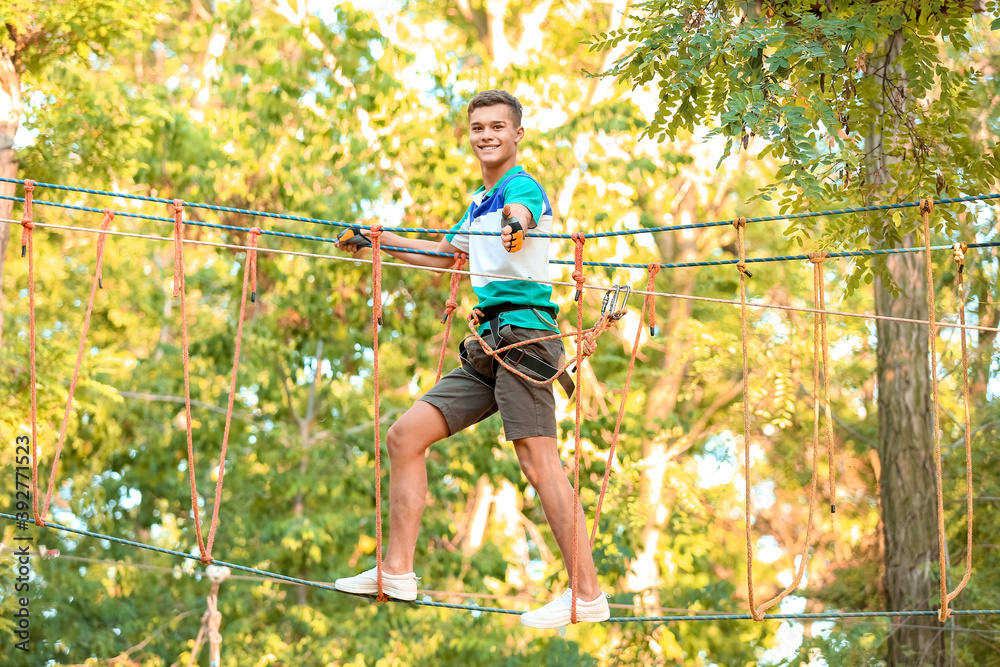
398	586
557	613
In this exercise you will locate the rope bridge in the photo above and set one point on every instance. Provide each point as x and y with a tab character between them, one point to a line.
586	341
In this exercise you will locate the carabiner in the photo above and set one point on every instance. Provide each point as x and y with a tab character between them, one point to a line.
614	301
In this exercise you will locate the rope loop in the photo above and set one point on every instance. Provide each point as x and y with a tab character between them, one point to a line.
959	254
179	291
98	269
449	309
926	206
819	257
740	223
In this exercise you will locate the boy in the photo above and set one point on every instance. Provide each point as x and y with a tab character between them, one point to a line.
513	310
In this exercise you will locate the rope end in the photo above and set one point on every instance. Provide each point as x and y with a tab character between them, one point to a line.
253	297
654	331
379	319
24	250
100	283
833	508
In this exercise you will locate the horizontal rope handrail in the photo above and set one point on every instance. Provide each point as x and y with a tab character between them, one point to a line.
554	283
561	262
496	610
424	230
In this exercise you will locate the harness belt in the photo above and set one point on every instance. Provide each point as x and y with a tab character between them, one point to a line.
518	356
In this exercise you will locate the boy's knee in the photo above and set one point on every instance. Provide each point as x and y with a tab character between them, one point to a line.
395	440
403	441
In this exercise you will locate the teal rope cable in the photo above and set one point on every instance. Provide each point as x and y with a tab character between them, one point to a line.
496	610
422	230
432	253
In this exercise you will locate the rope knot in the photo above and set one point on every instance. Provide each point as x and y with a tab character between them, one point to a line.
819	257
579	238
178	246
255	232
926	205
958	253
740	223
449	306
652	270
29	185
742	267
376	232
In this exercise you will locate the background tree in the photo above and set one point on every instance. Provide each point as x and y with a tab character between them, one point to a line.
861	105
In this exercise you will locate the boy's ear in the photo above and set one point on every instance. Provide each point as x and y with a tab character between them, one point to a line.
519	134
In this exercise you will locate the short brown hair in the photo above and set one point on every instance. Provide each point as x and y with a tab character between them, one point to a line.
491	98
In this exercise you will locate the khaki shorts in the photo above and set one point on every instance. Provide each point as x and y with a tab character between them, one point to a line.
528	410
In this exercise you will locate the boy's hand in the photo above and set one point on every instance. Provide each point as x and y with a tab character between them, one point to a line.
353	239
511	231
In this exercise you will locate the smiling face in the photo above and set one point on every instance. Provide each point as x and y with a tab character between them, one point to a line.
494	136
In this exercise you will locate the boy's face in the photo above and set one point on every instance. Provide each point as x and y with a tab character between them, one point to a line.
493	136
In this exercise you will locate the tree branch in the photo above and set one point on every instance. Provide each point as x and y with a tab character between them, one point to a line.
288	391
180	399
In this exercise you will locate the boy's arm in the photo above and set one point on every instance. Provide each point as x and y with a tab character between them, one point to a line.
393	239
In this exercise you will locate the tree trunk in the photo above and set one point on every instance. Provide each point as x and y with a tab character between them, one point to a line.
10	118
906	450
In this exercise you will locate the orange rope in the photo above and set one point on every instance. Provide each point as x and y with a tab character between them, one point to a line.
449	309
255	232
376	232
101	239
579	239
179	291
28	249
647	305
757	612
591	335
249	274
817	260
926	206
959	255
740	224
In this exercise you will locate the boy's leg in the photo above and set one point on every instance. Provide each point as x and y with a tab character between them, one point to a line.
408	441
540	462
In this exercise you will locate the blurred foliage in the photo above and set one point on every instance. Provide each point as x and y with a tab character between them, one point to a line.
349	115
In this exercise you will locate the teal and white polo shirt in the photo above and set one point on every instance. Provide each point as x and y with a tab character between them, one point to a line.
487	254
